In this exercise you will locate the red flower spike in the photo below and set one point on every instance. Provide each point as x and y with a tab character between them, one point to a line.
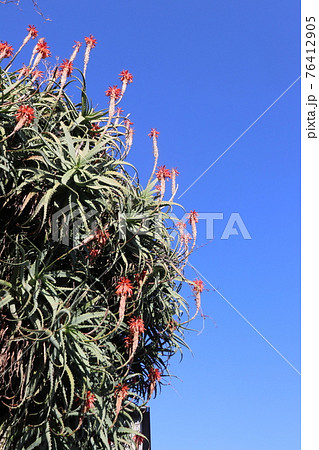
198	285
67	67
113	92
128	123
90	41
193	217
94	253
128	341
25	114
121	392
138	440
119	111
124	287
154	133
136	325
126	76
175	171
181	226
6	50
43	48
36	74
95	129
121	389
24	71
163	173
90	399
185	238
154	374
32	31
77	44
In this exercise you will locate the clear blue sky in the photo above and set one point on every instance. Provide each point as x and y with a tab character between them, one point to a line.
203	72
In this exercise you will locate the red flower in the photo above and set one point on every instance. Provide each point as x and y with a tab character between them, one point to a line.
128	123
128	341
124	287
32	31
67	66
113	92
181	226
90	41
154	133
77	44
6	50
43	49
94	253
121	390
25	114
37	74
154	374
172	325
90	399
24	71
95	128
193	217
198	285
186	237
138	440
175	171
119	111
136	325
126	76
163	173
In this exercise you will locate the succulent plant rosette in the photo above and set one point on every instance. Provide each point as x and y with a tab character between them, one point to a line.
92	264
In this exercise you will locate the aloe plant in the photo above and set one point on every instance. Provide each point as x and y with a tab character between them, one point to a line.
91	264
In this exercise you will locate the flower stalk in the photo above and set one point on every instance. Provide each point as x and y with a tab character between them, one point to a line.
90	44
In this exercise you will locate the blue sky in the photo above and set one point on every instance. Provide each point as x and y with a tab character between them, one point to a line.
203	73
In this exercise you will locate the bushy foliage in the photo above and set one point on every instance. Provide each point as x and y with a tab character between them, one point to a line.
90	270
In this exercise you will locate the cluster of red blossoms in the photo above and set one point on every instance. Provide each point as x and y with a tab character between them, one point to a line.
25	115
154	374
121	390
198	286
154	133
90	41
5	50
136	325
32	31
193	217
126	76
124	287
113	92
43	48
98	242
90	399
67	67
163	173
95	128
